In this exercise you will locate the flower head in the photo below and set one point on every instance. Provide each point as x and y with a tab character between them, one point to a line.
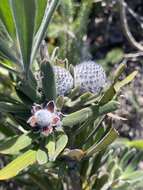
90	77
46	118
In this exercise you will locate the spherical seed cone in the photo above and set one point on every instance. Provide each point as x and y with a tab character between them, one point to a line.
90	77
64	80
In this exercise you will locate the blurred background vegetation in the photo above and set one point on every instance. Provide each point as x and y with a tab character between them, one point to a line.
85	30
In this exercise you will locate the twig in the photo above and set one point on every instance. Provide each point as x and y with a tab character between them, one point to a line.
125	27
138	18
133	55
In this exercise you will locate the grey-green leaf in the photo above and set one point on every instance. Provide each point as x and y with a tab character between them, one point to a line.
43	27
7	52
14	144
56	145
41	157
107	140
12	108
48	81
24	16
51	146
61	142
83	114
40	10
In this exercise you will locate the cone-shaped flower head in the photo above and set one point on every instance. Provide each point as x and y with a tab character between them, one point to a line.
64	80
90	77
46	118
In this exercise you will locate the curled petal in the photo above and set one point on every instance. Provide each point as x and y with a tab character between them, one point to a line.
51	106
35	108
47	130
32	121
55	120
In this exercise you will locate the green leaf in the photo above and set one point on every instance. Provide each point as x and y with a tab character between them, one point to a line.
114	56
6	17
134	162
25	99
119	71
133	176
29	90
102	180
124	82
7	130
135	143
13	108
109	107
10	69
56	145
43	27
61	142
107	140
40	10
51	146
41	157
14	144
48	81
83	114
59	102
77	117
110	92
7	52
17	165
108	95
24	16
127	157
96	126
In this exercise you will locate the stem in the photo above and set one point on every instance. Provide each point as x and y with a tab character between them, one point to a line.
125	27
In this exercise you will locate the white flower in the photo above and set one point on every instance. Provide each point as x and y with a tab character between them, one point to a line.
43	117
46	118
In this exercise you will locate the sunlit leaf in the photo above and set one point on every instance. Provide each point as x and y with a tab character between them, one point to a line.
18	164
119	71
14	144
127	80
133	176
41	156
108	95
56	145
61	142
6	17
135	143
107	140
51	146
